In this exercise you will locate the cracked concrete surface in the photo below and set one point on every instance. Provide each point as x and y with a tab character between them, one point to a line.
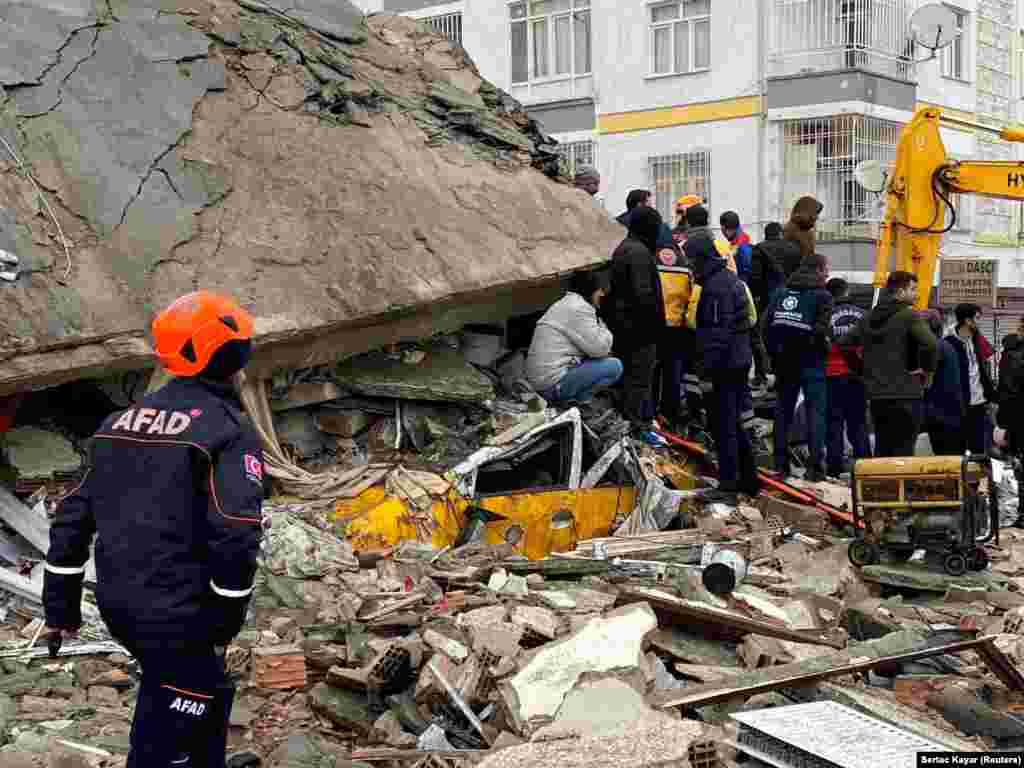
286	152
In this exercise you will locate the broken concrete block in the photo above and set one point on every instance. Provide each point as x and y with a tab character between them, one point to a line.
444	375
296	549
540	620
104	696
349	711
352	679
758	651
612	643
482	617
279	667
282	626
499	640
388	730
451	648
343	423
307	393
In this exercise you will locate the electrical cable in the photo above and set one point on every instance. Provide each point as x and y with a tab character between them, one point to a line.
46	204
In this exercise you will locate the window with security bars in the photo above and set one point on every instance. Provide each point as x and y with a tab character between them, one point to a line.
549	39
680	39
447	24
954	56
819	158
577	153
673	176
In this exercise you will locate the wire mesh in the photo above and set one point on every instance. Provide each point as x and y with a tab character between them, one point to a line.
672	176
824	35
819	158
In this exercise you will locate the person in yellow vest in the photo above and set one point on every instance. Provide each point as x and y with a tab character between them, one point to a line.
675	345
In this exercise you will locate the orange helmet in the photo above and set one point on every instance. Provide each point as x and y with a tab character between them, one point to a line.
194	327
686	201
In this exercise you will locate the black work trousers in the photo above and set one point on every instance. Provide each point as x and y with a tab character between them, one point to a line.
637	382
182	711
737	471
897	425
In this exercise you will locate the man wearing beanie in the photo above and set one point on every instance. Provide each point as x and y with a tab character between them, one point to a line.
636	312
173	496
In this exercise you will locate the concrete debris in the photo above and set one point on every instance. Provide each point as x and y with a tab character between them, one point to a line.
296	549
603	645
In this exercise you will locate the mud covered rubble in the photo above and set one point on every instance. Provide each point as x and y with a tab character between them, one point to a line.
235	125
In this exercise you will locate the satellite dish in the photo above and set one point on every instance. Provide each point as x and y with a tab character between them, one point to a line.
934	27
871	175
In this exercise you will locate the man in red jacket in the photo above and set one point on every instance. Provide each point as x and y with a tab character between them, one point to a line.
847	402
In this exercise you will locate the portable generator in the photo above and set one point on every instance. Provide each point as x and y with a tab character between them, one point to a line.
940	504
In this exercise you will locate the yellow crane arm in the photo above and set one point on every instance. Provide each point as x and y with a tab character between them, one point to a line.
918	209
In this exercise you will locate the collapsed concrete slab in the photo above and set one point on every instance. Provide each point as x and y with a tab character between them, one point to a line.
360	180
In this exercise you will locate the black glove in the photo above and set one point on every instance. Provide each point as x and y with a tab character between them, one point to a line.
227	618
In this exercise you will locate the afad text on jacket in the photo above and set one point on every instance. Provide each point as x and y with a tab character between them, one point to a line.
174	496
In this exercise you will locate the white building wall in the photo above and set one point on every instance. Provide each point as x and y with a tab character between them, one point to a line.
623	58
623	162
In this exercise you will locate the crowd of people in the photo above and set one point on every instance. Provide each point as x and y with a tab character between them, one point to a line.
688	321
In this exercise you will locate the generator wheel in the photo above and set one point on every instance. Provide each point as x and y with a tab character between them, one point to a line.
862	553
978	559
955	564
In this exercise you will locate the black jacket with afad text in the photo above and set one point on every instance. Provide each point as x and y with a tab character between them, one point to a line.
174	497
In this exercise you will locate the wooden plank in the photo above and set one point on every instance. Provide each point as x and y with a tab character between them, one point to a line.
31	526
797	674
703	614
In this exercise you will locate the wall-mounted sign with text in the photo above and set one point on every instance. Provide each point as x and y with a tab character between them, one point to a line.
968	281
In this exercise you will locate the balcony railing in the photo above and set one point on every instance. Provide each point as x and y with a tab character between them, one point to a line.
810	36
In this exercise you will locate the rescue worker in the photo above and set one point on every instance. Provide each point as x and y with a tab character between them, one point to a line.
173	495
847	404
739	241
799	337
679	232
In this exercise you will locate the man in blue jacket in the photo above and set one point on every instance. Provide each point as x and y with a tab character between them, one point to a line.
798	336
723	343
173	496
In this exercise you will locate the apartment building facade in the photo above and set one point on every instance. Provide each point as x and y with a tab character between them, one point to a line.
753	103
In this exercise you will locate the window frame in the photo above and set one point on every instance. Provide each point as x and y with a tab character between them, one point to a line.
960	44
530	21
691	23
699	156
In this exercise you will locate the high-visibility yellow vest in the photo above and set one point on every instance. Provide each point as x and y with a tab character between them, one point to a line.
676	287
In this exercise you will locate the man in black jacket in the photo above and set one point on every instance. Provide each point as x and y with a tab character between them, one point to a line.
900	353
1009	431
636	312
173	495
976	378
799	336
723	343
637	198
766	278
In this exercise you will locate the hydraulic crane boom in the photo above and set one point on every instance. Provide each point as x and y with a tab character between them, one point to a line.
918	209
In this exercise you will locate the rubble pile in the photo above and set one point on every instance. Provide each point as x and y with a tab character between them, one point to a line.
613	651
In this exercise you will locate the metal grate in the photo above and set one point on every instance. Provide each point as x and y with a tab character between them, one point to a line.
827	35
673	176
824	734
819	156
447	24
578	153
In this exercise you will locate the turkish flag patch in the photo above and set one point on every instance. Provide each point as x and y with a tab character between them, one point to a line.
253	468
